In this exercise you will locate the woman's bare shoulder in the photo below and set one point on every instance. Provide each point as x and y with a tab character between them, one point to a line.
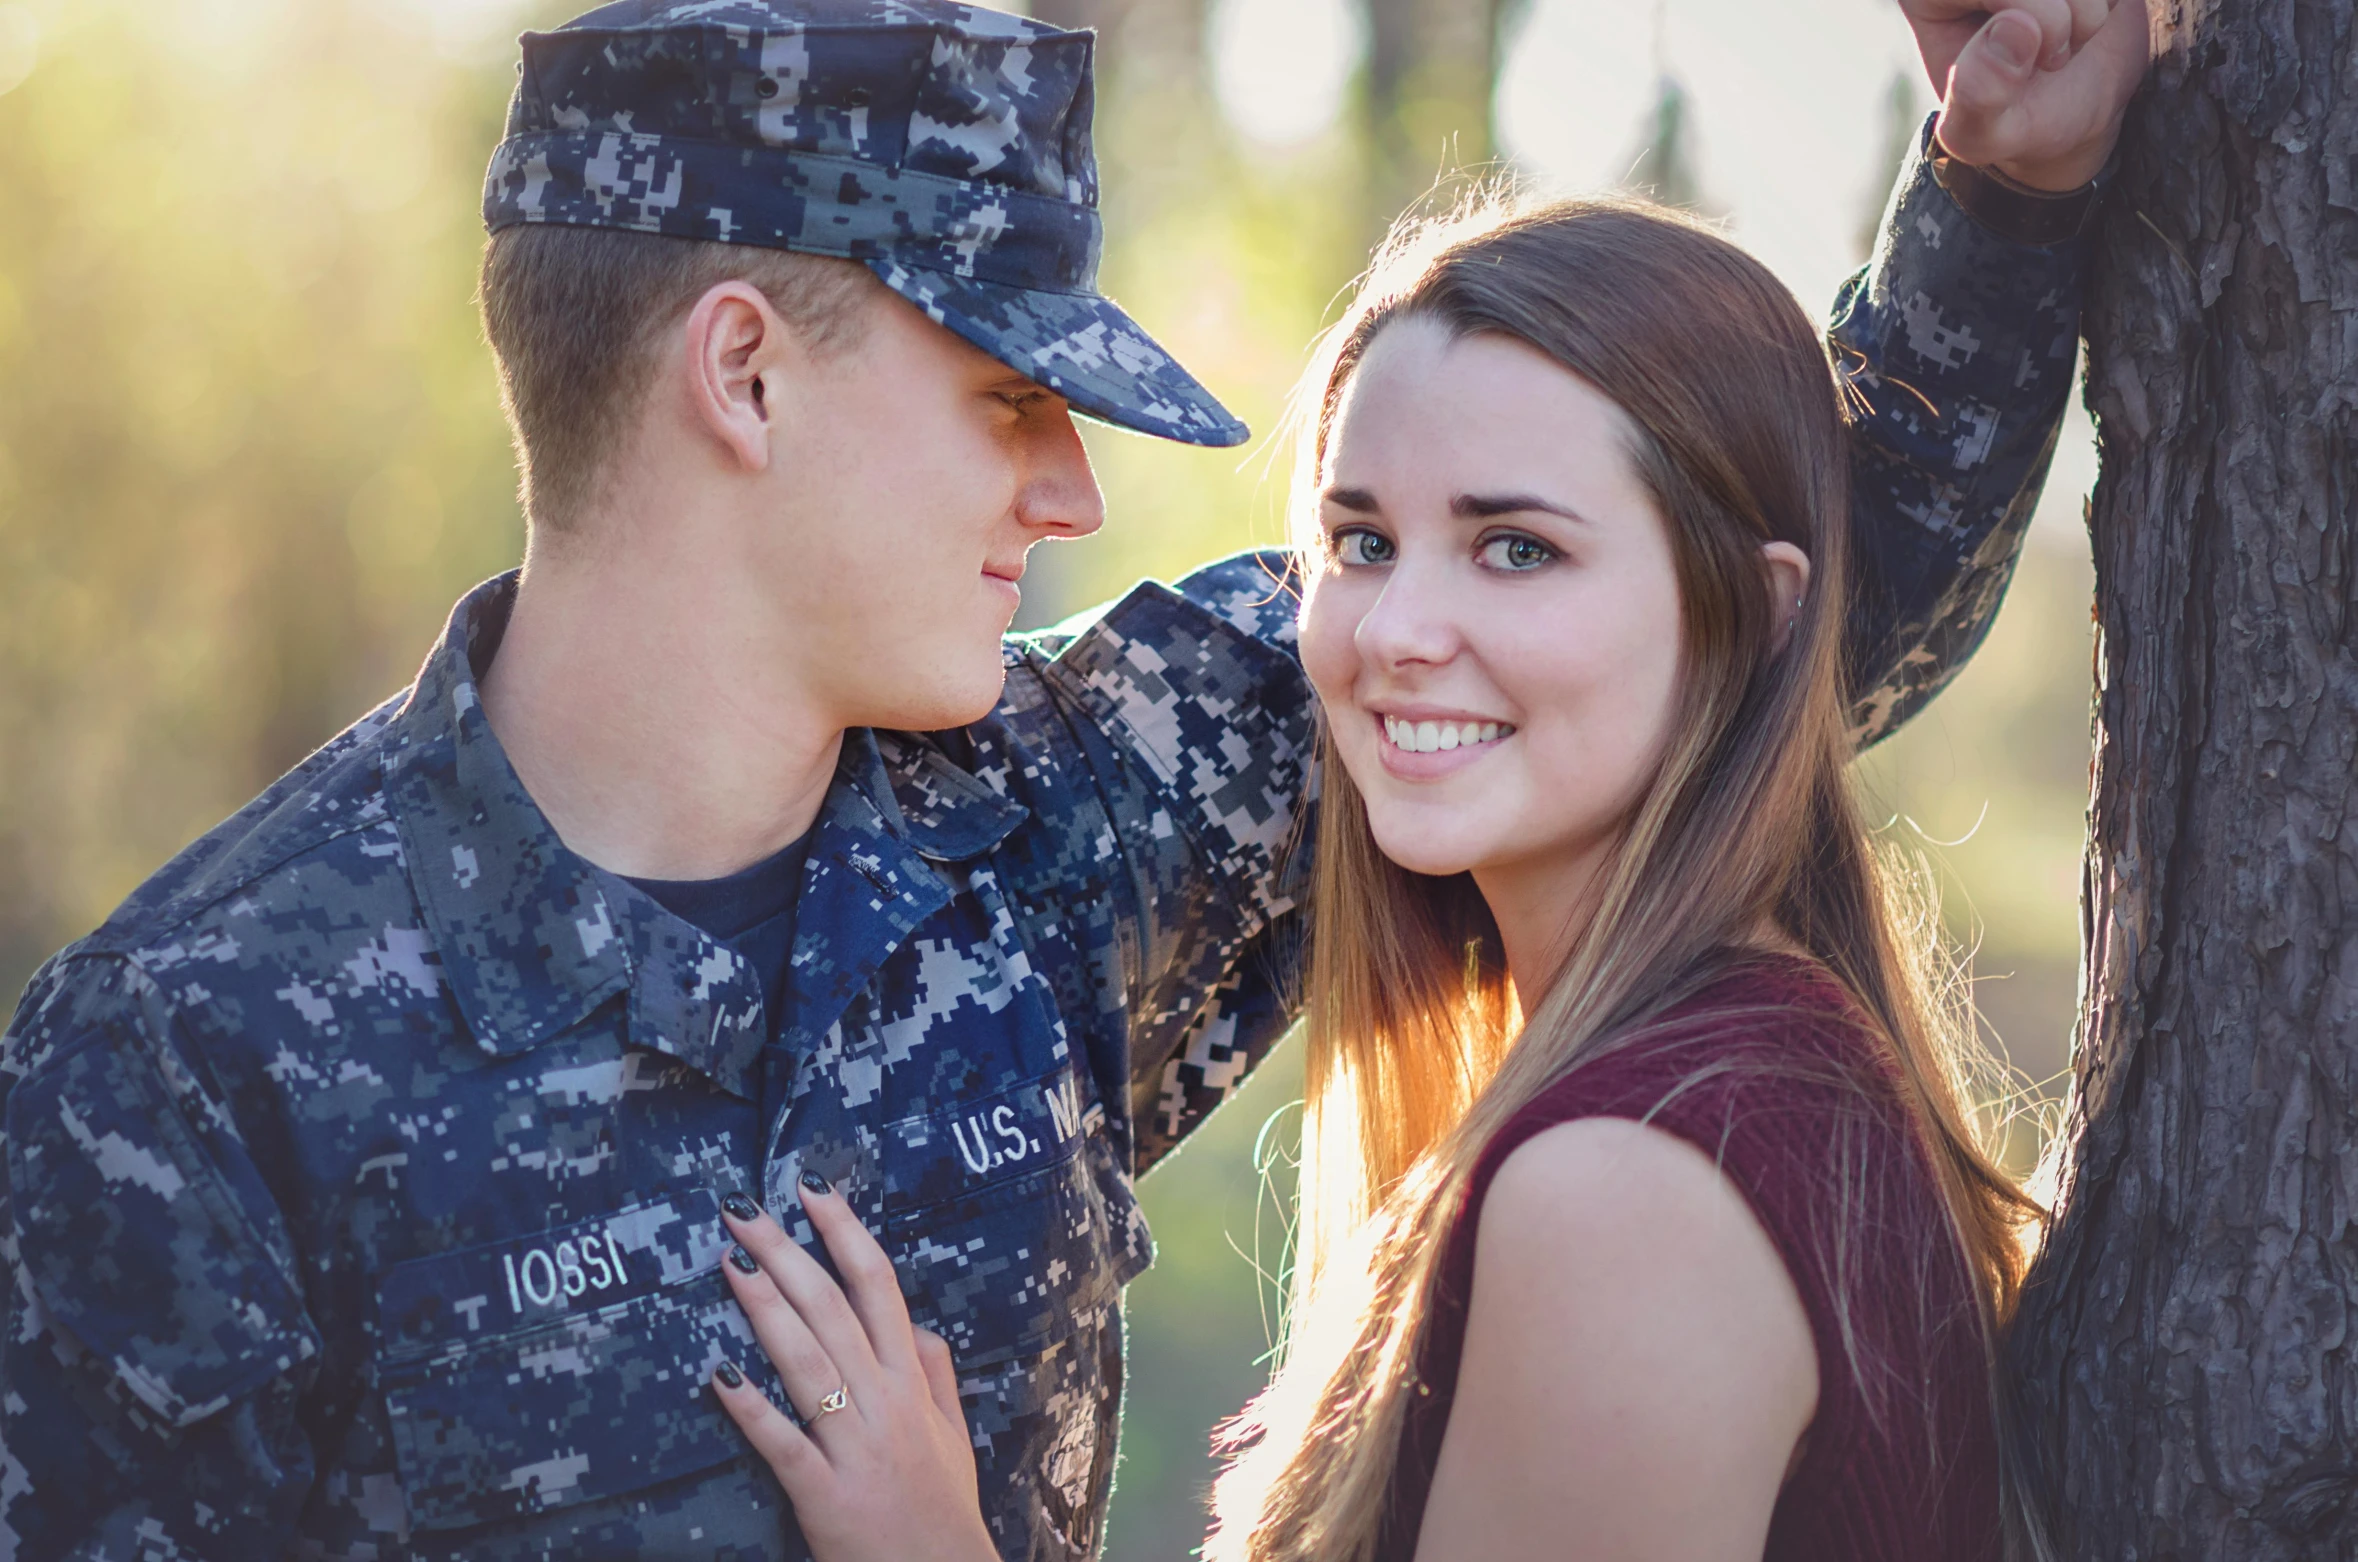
1609	1203
1633	1340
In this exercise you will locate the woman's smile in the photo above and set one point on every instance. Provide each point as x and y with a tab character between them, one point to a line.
1418	747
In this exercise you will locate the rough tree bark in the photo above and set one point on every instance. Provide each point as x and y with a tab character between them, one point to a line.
2186	1351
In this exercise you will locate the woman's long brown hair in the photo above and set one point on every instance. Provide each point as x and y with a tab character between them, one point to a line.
1417	1052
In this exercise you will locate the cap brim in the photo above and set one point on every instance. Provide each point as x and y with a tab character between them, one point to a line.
1080	345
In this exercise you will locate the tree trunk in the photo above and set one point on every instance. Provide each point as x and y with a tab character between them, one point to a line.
2185	1352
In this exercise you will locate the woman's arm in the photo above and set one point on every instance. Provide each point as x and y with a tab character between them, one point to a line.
1638	1367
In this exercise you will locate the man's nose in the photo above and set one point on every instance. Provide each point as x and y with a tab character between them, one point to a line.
1414	619
1060	495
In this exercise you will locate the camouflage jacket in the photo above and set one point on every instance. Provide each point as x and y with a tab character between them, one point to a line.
361	1171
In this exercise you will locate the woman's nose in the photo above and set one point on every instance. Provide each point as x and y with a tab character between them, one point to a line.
1414	620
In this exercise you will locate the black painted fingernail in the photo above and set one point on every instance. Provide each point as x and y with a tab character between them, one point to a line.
744	1261
816	1183
729	1376
740	1207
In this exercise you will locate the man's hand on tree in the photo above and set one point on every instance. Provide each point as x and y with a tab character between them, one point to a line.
2035	89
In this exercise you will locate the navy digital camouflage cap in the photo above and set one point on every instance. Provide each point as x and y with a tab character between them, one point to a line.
945	146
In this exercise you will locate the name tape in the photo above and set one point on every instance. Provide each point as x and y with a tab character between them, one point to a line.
587	1264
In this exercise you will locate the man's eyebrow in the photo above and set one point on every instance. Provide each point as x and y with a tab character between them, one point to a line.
1480	507
1357	500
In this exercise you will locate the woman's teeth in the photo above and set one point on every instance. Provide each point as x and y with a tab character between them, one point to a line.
1437	737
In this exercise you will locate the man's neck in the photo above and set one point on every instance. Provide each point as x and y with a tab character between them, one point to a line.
662	732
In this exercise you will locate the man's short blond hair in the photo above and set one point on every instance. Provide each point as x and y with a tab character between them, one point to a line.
575	318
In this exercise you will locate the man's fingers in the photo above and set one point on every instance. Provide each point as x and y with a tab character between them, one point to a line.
2087	20
2123	50
2056	21
2050	129
867	1273
1979	119
941	1375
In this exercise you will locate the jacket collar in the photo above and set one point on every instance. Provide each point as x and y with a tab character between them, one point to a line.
534	937
898	815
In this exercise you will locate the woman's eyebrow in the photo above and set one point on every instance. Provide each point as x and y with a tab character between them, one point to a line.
1357	500
1480	507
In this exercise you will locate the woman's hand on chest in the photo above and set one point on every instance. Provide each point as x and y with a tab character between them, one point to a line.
881	1468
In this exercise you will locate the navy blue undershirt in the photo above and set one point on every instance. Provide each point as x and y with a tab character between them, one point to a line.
752	911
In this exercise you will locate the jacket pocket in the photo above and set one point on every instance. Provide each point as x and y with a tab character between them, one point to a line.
1007	1266
1023	1279
564	1366
165	1260
950	1154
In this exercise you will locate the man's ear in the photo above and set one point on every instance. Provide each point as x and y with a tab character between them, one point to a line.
1787	568
732	346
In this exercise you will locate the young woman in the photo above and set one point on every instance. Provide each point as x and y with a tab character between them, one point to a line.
1708	1261
1643	1213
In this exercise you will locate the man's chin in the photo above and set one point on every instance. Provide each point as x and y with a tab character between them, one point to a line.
933	703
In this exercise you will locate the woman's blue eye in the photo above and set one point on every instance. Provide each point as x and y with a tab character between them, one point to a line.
1357	545
1515	552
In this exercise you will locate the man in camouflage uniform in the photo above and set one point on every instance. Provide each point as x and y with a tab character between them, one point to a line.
362	1171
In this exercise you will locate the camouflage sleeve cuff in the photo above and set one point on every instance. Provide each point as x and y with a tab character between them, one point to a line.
1956	346
1256	591
1199	685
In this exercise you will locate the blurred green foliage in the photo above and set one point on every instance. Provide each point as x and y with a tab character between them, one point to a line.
249	447
250	451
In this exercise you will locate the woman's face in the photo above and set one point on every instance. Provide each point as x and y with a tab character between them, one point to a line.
1494	624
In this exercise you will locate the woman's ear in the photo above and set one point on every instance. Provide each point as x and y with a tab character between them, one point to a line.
1788	581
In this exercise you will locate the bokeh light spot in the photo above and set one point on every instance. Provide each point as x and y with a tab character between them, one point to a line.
1281	67
20	45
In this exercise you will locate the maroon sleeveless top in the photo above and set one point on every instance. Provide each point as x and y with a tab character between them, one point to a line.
1803	1112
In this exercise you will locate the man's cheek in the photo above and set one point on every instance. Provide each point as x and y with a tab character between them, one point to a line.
935	643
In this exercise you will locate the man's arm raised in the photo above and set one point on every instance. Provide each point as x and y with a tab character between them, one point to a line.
1189	705
1957	342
